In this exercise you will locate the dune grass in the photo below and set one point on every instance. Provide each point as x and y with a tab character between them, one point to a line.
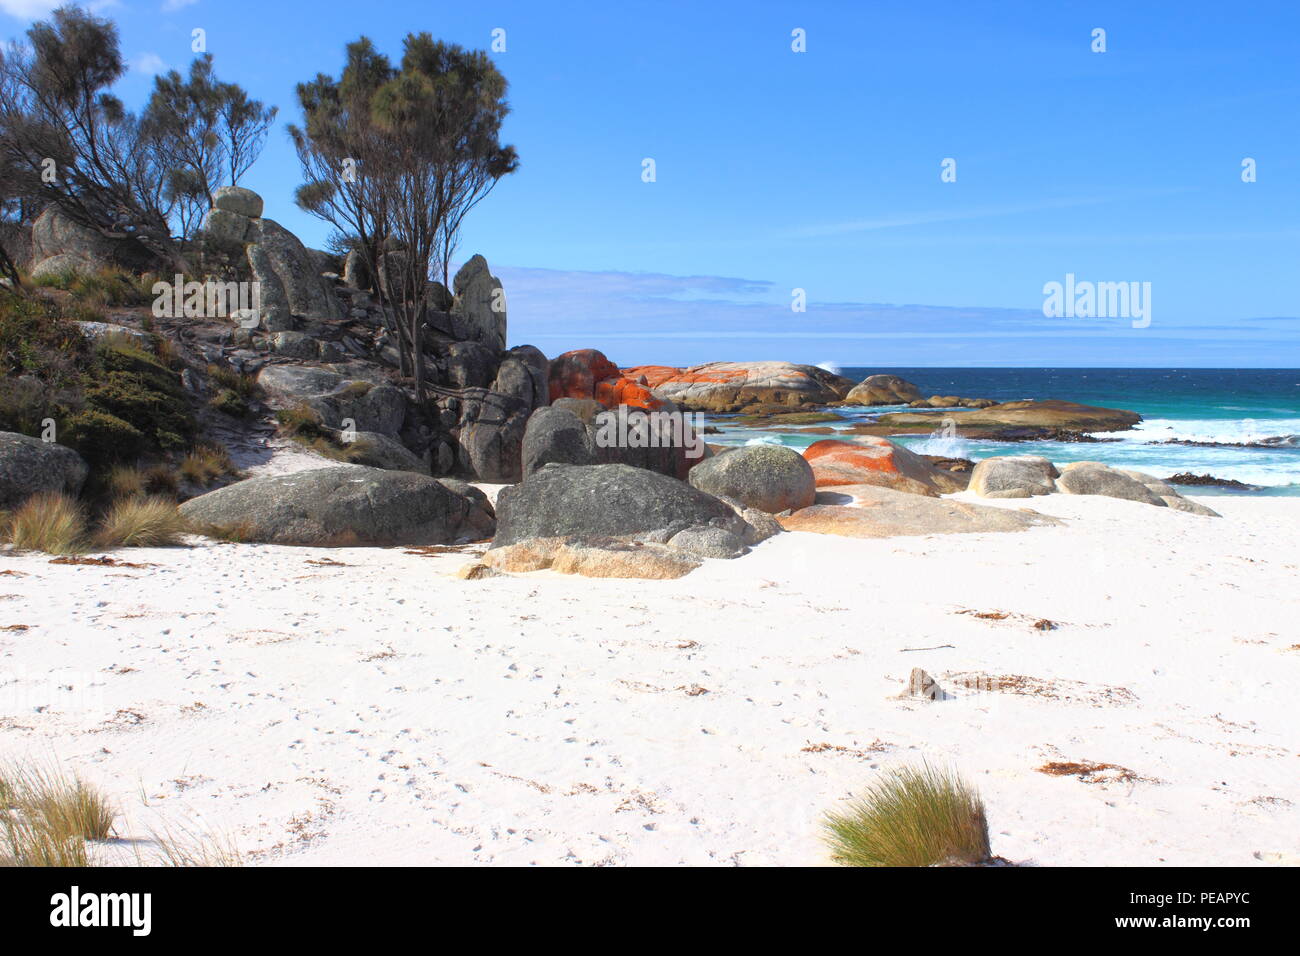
48	817
911	817
142	522
49	522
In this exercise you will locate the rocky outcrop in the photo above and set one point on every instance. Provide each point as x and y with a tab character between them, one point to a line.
604	500
1013	476
291	287
490	435
344	505
335	399
883	513
478	312
29	466
883	390
1094	478
1051	414
731	386
771	478
878	461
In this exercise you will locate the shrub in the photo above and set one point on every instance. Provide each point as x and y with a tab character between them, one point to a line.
911	817
102	438
142	523
133	405
48	522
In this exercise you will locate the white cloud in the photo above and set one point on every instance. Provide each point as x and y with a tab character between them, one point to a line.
148	64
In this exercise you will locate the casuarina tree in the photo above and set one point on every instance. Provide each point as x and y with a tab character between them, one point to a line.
397	156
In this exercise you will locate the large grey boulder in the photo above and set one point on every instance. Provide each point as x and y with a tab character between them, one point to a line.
1094	478
771	478
290	382
1013	476
55	234
709	541
237	199
604	500
556	435
290	284
1169	494
479	310
29	466
883	390
343	505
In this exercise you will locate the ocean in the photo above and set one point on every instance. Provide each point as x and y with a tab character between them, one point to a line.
1227	407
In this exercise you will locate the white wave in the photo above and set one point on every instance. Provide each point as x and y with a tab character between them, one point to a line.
1226	431
831	367
942	446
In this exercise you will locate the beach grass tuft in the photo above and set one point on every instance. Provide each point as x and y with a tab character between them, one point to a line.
48	817
48	522
911	817
142	522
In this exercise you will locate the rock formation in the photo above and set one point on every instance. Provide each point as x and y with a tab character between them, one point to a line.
878	461
731	386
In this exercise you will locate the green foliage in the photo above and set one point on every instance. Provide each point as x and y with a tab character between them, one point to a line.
132	386
42	356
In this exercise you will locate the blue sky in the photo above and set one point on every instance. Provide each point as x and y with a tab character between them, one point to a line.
820	170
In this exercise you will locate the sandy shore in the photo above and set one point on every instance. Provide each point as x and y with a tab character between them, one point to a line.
363	705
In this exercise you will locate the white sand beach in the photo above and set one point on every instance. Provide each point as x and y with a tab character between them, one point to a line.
365	705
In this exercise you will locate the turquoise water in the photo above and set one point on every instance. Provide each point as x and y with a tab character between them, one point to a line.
1201	405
